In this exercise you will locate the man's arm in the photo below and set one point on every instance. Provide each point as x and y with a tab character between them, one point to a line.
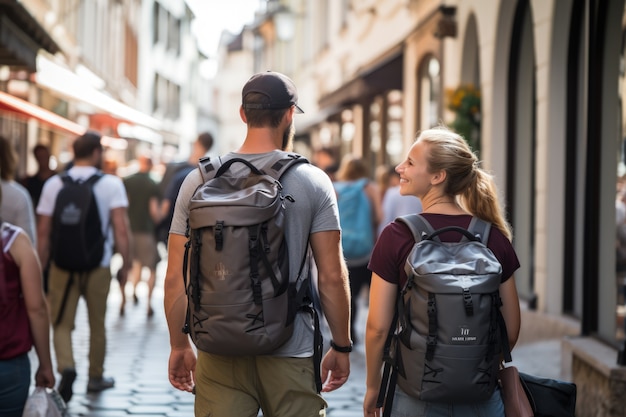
182	362
334	291
155	210
44	223
121	234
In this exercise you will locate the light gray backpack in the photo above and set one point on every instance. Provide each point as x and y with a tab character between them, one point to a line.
450	333
236	266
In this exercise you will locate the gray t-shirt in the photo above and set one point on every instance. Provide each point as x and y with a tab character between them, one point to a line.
314	210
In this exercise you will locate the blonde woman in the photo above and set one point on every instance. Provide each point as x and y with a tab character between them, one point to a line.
444	173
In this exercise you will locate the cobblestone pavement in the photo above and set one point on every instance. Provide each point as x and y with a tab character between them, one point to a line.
137	355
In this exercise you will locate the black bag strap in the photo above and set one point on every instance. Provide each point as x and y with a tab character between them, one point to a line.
391	365
304	302
66	292
67	179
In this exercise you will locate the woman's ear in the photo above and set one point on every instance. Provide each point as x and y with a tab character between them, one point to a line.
439	177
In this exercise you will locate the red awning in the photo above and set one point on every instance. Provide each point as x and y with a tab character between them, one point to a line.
29	110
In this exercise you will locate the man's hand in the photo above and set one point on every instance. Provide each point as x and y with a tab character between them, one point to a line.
335	370
182	369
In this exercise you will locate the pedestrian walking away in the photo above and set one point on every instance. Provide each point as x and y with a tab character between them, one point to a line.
173	178
441	169
17	206
285	381
360	212
86	210
144	215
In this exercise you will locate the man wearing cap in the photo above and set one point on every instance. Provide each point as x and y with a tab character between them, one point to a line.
281	384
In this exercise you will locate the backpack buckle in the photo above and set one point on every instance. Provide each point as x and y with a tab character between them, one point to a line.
469	304
219	235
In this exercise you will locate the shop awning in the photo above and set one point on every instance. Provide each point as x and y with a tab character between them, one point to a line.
26	110
379	77
66	83
21	36
29	110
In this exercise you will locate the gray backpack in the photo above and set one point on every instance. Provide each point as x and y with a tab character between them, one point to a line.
448	335
236	265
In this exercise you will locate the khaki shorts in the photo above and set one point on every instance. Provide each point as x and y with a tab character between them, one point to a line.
239	386
145	249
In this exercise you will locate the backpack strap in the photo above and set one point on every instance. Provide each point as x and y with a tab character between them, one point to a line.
67	179
282	163
480	229
208	167
276	167
419	226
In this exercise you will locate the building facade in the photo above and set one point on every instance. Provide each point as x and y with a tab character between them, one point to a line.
128	69
536	86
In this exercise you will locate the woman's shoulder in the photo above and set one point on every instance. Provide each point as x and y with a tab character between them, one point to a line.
8	233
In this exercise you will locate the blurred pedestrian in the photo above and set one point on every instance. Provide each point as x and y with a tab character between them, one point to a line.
173	178
34	183
65	286
144	214
24	320
360	212
325	158
395	204
16	206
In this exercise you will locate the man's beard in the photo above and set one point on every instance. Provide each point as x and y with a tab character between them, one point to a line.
288	135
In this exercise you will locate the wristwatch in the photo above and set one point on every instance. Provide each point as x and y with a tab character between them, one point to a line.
342	349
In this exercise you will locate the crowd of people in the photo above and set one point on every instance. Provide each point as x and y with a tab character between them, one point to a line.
132	210
439	177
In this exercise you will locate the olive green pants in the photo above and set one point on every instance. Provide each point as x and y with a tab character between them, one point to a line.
238	386
94	288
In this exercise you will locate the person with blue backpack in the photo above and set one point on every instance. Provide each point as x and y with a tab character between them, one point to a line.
461	213
360	213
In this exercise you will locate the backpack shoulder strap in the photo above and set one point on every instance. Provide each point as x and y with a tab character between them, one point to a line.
276	167
480	229
65	177
420	227
208	166
281	163
94	178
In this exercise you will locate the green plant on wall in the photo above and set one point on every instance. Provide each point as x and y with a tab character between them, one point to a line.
464	101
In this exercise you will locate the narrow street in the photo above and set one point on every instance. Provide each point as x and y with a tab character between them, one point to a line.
137	355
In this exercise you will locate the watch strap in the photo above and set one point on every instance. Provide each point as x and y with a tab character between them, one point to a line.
342	349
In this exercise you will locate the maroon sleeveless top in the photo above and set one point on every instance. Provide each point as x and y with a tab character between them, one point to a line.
15	334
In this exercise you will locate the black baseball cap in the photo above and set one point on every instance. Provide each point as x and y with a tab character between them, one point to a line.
279	91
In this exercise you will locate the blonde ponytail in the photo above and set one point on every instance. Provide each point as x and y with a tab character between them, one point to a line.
474	187
481	199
